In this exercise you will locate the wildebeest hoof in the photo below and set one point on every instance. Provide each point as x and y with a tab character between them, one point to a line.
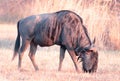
36	69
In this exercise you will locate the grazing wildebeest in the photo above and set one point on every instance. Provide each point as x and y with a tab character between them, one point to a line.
64	28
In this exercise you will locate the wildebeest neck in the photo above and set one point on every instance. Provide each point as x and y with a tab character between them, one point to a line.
73	26
84	40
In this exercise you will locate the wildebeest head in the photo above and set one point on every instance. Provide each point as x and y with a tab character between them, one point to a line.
88	57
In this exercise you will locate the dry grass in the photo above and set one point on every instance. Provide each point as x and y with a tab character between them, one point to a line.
48	60
108	69
8	35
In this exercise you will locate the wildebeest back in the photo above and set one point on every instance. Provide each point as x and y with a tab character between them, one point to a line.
53	28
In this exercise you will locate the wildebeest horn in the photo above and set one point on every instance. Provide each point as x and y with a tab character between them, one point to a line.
93	48
94	41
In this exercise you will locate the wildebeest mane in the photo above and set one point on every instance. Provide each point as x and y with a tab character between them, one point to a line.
68	11
86	32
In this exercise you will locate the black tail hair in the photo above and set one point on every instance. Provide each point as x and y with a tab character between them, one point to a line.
17	43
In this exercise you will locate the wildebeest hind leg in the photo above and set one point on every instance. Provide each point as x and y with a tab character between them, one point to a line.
24	46
62	55
32	52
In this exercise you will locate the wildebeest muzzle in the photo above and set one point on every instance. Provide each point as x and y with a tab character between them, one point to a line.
89	58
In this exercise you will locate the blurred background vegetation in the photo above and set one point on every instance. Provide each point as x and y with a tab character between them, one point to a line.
101	17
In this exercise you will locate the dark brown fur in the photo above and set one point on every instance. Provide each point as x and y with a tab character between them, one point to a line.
64	28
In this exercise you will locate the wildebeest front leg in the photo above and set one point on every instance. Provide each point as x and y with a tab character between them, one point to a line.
24	46
33	48
62	55
73	56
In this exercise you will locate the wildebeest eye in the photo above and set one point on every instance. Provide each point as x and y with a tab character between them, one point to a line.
83	51
79	50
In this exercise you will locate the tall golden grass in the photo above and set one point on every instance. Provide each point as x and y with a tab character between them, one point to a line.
101	17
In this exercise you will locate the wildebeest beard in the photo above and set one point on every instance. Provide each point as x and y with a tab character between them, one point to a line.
90	62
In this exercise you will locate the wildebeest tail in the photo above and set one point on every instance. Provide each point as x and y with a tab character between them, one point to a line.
17	43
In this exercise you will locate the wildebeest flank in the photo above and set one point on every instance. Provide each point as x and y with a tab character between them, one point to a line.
64	28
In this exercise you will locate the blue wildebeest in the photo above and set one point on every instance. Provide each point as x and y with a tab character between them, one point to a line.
64	28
